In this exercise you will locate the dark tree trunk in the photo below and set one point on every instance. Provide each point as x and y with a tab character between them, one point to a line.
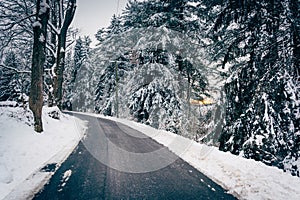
294	6
38	60
53	41
60	66
61	48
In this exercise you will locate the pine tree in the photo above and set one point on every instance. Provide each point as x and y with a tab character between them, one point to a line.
80	85
153	67
176	15
81	51
10	85
74	63
254	39
114	28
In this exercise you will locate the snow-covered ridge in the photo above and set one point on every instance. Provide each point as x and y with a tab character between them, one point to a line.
244	178
23	152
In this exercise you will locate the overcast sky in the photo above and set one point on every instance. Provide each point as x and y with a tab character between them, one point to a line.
94	14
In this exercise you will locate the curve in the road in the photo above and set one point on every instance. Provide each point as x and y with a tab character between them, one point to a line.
83	176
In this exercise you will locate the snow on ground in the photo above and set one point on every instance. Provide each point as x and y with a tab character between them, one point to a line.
244	178
24	152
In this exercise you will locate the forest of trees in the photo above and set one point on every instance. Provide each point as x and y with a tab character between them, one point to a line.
33	41
250	48
260	41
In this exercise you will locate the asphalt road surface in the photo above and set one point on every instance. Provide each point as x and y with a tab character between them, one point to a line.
96	170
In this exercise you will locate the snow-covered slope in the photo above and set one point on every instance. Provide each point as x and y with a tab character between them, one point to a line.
23	152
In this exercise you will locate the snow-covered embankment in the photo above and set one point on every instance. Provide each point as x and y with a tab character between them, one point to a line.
24	152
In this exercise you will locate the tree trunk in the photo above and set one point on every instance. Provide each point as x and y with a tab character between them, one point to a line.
53	41
61	48
294	6
38	60
59	71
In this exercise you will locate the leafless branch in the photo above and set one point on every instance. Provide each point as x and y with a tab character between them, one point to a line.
11	25
56	31
14	69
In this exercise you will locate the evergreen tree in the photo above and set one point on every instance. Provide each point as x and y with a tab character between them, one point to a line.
148	69
74	63
114	28
255	40
101	35
80	95
176	15
10	85
81	51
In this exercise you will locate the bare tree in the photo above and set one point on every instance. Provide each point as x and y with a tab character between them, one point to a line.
17	23
23	28
38	60
65	17
16	28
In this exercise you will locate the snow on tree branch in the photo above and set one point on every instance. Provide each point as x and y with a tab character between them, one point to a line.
43	7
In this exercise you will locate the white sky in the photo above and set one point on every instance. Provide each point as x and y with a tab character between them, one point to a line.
91	15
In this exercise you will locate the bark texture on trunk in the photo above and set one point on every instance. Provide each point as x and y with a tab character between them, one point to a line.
38	60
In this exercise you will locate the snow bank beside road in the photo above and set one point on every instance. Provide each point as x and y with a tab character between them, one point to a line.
244	178
23	152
